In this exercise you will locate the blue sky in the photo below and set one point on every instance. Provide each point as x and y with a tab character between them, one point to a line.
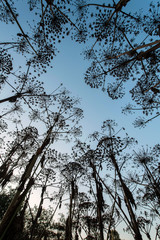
69	67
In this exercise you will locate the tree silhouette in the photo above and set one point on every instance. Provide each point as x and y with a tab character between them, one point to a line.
122	46
110	154
125	47
58	125
114	235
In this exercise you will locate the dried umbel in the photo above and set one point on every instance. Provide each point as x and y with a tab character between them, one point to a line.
5	62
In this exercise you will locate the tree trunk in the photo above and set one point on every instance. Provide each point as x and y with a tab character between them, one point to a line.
13	209
135	227
15	203
99	202
68	234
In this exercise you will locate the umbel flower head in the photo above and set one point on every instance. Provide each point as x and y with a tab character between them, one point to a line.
144	156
